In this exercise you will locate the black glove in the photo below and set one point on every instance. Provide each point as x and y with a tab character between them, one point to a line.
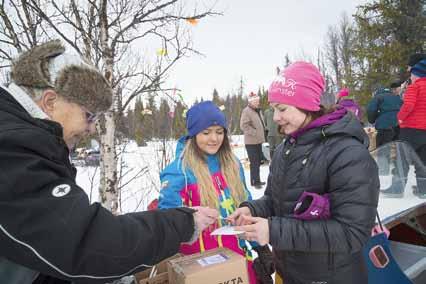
264	265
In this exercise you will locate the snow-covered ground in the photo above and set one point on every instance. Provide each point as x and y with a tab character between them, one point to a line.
140	166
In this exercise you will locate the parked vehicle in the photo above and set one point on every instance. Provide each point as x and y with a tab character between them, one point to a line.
92	158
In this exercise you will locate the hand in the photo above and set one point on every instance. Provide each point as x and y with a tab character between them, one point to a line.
204	217
258	230
237	218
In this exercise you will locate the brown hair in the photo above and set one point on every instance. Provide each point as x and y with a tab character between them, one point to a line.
312	115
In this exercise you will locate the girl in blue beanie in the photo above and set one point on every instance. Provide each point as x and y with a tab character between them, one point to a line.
206	173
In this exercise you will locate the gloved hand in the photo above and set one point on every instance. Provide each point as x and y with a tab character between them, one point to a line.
264	265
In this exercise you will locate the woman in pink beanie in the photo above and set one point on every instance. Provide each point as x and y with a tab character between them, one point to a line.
326	153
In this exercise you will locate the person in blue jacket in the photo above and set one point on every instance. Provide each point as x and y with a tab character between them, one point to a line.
206	173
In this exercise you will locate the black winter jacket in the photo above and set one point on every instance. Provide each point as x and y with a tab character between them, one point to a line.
48	228
335	160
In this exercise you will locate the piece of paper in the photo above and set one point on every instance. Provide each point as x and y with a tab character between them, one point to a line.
226	230
213	259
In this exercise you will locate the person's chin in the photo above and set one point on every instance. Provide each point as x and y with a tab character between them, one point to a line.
212	151
288	131
72	142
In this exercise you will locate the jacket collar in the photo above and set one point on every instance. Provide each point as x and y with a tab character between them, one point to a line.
25	101
12	105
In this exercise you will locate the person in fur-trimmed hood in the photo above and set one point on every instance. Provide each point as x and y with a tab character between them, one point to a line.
326	153
49	231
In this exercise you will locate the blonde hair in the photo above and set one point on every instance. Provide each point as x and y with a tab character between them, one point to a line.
194	159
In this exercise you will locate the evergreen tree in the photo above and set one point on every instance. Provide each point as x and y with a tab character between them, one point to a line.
138	122
179	122
263	95
287	61
216	98
164	120
388	32
148	125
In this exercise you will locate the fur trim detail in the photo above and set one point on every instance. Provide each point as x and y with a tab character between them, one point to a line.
86	87
31	69
48	66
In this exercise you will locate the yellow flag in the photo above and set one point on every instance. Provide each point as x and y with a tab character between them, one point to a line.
161	52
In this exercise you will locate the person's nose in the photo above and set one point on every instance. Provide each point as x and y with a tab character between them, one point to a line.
91	128
275	117
214	138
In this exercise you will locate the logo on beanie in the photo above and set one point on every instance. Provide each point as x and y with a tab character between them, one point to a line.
284	86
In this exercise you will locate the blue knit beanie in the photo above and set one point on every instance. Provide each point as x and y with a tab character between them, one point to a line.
419	69
202	116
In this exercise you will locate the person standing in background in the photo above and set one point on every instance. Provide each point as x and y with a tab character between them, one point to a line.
412	120
252	125
348	103
412	60
274	136
396	87
382	111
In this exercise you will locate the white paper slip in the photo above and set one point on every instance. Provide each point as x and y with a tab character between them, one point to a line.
213	259
226	230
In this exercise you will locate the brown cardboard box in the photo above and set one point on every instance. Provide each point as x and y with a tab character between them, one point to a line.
161	276
218	266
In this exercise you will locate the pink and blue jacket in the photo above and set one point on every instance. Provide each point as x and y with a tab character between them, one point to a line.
179	188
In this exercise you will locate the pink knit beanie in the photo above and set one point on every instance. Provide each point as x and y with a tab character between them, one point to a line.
300	84
343	93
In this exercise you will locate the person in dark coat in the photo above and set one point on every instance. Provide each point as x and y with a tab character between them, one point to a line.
49	231
274	136
326	153
382	111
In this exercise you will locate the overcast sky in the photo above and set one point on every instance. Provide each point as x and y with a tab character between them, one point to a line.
250	40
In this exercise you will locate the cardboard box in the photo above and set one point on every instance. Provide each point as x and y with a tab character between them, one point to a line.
161	275
218	266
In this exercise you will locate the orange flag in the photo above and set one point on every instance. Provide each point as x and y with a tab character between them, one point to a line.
192	21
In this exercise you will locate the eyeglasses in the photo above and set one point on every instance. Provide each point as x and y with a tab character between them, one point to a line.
91	117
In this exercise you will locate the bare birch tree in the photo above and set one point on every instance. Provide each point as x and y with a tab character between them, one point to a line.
332	55
116	36
20	29
347	34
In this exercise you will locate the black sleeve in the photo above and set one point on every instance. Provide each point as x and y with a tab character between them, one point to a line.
263	206
373	109
65	236
354	190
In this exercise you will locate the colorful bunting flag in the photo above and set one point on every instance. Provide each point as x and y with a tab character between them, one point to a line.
162	52
192	21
